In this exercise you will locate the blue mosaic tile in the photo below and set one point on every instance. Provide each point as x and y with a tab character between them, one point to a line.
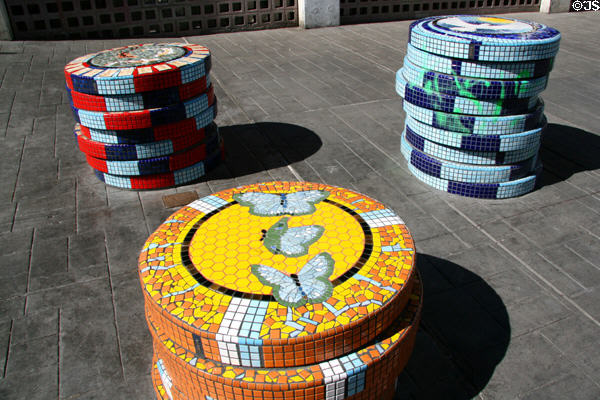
484	89
428	98
523	141
199	107
163	180
117	151
152	166
484	70
453	171
484	38
468	156
475	124
138	68
501	190
140	101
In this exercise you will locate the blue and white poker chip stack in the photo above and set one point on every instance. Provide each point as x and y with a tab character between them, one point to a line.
145	114
474	120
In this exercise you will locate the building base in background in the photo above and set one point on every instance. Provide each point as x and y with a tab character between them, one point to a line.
5	31
318	13
53	19
554	6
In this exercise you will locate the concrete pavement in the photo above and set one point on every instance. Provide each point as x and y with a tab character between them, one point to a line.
512	287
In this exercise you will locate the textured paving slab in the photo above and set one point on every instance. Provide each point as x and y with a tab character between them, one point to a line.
512	287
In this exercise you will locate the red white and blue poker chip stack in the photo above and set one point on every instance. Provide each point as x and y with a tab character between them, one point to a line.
145	114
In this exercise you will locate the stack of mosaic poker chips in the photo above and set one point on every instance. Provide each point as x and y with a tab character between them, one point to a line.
474	120
145	114
280	290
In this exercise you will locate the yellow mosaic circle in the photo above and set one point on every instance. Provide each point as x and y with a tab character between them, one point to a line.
224	252
275	266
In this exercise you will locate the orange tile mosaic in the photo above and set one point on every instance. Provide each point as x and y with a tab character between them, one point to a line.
366	374
278	274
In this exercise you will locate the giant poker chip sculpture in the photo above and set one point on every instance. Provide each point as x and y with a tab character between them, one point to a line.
145	114
280	290
474	120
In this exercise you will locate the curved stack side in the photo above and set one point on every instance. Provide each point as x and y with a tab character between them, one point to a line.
157	165
277	353
145	114
476	124
125	120
470	86
186	127
519	141
140	101
366	374
467	156
462	172
166	179
295	288
138	151
438	101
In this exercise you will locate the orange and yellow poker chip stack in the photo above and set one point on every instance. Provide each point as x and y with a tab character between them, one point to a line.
280	290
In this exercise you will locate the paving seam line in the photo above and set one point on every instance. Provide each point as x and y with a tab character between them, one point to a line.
292	169
556	290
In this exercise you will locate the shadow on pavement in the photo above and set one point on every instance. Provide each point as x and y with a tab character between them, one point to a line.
258	147
464	334
567	150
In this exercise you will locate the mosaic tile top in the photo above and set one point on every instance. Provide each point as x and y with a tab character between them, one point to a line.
494	27
136	69
137	55
279	262
484	38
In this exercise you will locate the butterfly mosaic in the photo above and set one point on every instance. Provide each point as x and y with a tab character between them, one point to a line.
291	242
274	204
310	285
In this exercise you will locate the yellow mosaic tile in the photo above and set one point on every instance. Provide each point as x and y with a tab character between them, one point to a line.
251	272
